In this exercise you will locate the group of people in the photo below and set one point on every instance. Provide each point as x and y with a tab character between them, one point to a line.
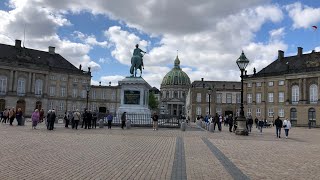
89	119
286	125
217	120
8	115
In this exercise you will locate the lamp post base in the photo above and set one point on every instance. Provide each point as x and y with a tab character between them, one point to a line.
242	128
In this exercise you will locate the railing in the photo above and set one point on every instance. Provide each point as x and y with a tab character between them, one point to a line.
145	120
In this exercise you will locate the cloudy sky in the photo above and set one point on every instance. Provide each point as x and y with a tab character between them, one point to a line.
208	34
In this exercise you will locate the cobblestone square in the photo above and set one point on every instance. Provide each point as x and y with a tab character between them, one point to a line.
141	153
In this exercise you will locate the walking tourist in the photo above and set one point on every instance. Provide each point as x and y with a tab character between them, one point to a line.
215	121
278	123
230	122
123	119
5	115
19	116
48	118
66	120
94	119
70	117
12	115
260	124
286	126
256	121
219	122
76	117
250	123
89	119
155	118
52	119
109	118
41	112
35	118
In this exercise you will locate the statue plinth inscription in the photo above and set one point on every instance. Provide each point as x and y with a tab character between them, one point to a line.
131	97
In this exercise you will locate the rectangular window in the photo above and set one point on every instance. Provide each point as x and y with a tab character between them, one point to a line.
94	94
219	98
258	84
229	98
113	96
258	98
64	79
207	98
281	96
270	83
270	97
281	83
61	106
38	87
198	97
198	111
238	96
52	90
207	110
52	77
84	81
21	89
281	112
74	93
249	98
3	85
104	94
270	112
258	112
75	80
63	92
74	107
249	84
249	112
83	93
218	110
51	105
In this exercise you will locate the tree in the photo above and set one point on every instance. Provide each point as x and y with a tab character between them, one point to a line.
153	101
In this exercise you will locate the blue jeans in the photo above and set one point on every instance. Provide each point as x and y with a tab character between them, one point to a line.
286	132
278	131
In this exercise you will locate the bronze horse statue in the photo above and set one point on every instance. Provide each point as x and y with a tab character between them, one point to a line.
136	62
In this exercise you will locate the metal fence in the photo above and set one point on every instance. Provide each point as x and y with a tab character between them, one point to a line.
145	120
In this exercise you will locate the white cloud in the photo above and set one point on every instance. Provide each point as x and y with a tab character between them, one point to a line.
277	34
89	39
113	79
303	16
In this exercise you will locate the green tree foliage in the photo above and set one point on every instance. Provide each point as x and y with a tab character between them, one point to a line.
153	101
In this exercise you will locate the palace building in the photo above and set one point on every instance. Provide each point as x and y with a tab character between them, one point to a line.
288	88
31	79
211	97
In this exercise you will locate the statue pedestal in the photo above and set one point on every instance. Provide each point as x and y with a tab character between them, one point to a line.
134	96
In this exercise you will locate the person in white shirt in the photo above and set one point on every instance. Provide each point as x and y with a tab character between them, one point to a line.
286	126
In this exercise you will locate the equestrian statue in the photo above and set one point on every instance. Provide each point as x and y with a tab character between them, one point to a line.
136	61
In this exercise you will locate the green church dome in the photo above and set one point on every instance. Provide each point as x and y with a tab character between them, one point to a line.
176	76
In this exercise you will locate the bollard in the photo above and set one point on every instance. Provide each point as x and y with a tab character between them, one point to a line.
211	126
101	123
183	126
128	124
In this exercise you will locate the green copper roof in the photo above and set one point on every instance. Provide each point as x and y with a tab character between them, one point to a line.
176	76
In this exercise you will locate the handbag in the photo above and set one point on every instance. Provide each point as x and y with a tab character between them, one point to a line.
284	126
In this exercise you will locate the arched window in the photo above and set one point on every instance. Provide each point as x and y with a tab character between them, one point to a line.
293	116
313	93
312	116
3	85
21	88
38	87
295	94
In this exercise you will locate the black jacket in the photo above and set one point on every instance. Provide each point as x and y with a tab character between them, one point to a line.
278	123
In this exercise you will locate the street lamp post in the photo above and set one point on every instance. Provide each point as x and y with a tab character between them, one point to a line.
242	63
209	94
88	88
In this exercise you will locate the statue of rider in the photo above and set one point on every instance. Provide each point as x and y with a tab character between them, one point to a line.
137	52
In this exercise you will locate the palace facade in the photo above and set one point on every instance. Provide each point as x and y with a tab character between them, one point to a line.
288	88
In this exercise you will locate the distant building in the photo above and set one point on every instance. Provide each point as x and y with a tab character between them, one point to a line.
225	97
31	79
174	88
288	88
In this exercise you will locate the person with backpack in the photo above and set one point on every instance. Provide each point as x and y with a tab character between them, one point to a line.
260	124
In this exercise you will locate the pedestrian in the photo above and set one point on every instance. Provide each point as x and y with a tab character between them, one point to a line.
109	118
41	112
48	118
278	123
155	118
256	121
260	124
52	119
250	123
89	119
215	121
76	118
286	126
5	116
19	116
35	118
94	119
219	122
123	119
66	120
70	117
12	115
235	124
230	122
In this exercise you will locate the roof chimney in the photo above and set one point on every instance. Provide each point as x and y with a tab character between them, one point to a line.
300	51
18	43
80	66
89	69
51	50
280	55
201	79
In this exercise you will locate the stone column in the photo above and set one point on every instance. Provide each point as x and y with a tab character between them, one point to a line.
300	89
15	81
29	83
33	82
11	80
287	94
45	85
171	113
305	89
